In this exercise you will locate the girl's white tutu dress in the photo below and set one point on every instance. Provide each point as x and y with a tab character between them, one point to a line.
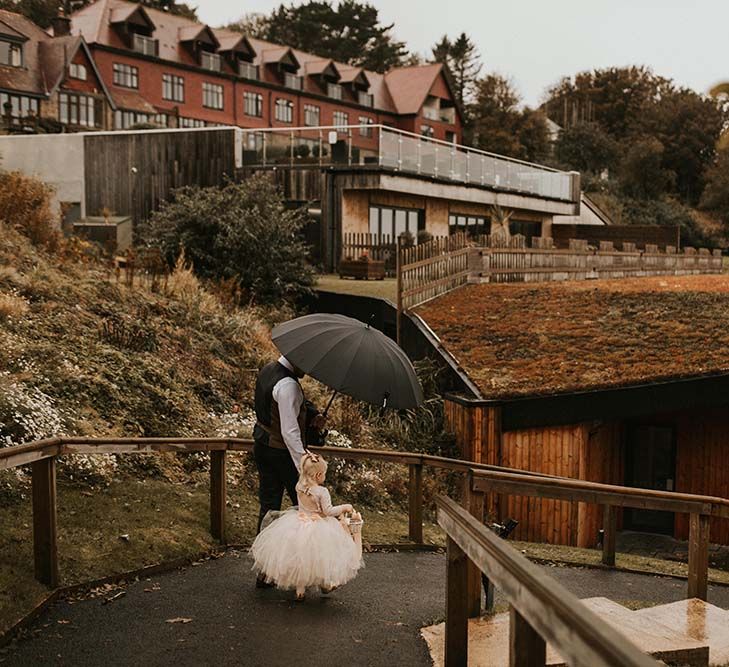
307	545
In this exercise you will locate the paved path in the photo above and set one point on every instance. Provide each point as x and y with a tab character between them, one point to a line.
373	621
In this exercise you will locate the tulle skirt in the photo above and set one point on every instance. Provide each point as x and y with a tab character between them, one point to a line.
296	550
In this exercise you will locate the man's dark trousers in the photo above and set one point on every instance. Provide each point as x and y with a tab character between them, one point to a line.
276	472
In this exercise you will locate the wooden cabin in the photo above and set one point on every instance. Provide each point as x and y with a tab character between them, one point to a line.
621	382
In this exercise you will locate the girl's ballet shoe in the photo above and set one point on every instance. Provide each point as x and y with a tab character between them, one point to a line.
325	590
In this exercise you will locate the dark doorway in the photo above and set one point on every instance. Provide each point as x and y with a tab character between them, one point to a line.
650	464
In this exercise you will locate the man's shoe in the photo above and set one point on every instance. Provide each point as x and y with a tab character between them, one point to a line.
262	583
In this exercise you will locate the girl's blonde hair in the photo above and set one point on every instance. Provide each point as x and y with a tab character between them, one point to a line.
311	465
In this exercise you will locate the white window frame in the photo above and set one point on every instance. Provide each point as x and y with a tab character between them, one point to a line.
284	111
213	95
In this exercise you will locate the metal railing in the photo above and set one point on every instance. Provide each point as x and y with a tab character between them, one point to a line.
378	145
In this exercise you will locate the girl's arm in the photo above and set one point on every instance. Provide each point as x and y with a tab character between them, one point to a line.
326	504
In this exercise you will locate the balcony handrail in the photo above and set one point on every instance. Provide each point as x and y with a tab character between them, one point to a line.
419	137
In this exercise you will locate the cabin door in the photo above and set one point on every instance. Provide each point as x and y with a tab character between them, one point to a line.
650	464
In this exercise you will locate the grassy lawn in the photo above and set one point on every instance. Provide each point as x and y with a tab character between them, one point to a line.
382	289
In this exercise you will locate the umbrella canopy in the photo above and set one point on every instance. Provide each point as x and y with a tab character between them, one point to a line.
350	357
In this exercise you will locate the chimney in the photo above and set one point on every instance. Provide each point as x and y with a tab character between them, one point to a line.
61	24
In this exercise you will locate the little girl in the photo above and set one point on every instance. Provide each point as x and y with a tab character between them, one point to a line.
308	545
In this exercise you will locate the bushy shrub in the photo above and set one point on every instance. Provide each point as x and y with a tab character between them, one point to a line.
242	231
25	204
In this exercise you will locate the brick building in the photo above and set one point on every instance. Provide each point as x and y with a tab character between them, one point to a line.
173	72
51	78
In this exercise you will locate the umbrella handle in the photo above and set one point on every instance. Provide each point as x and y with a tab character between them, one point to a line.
329	405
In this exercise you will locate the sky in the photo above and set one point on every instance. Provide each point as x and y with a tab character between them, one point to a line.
536	42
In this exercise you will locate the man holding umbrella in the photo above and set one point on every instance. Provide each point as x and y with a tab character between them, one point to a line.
345	354
279	434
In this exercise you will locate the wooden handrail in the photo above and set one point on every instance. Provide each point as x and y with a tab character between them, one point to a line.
480	479
540	605
602	494
699	509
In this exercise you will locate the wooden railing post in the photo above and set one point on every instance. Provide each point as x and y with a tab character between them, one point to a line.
698	556
526	646
416	503
217	494
474	503
456	623
45	532
609	529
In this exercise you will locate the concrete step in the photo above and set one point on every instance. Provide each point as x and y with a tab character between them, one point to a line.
699	620
489	637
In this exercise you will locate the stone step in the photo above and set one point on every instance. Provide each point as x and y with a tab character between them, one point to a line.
697	619
489	638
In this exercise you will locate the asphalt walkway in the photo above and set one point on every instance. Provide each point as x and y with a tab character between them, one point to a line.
211	614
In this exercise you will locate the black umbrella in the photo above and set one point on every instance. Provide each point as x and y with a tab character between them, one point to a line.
350	357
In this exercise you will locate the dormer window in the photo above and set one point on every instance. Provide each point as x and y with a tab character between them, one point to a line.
211	61
11	54
248	70
145	45
365	99
292	81
334	90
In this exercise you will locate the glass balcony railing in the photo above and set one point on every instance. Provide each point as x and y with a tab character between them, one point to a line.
393	149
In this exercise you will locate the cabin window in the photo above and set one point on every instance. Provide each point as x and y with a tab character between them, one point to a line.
340	119
11	54
253	104
472	224
365	126
77	71
311	115
388	223
173	88
212	95
284	111
81	110
125	75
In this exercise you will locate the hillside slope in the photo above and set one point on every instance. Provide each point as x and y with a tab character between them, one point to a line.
81	353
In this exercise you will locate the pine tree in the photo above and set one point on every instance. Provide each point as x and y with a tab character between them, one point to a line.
463	60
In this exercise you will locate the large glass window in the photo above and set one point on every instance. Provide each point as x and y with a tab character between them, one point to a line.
334	90
212	95
81	110
125	75
173	88
462	222
312	115
387	223
252	104
248	70
11	54
284	111
340	118
293	81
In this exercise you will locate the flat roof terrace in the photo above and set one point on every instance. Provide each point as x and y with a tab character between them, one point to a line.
399	151
528	340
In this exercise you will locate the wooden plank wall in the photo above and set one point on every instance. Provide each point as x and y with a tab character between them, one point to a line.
702	464
163	161
303	184
640	235
581	451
